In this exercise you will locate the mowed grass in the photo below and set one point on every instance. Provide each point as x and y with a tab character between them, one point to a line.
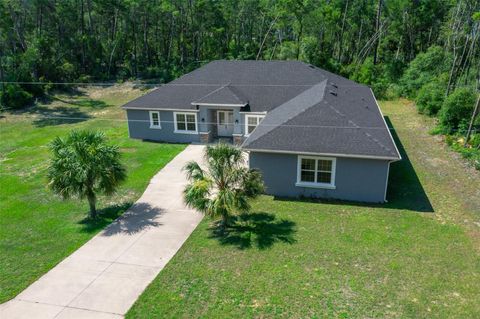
416	257
37	228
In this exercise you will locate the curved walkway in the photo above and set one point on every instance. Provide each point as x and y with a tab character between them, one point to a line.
104	277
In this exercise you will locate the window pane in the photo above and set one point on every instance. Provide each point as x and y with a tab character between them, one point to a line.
307	176
191	126
324	165
191	118
308	163
155	119
181	126
252	121
180	117
251	128
324	177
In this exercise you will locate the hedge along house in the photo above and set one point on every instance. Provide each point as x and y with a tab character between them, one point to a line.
310	132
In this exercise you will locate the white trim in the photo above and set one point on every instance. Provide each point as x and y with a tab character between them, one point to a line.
386	126
386	182
156	127
257	116
330	185
237	134
158	109
315	185
219	104
175	130
393	159
254	113
204	133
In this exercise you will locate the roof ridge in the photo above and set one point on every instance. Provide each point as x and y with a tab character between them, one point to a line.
232	89
355	125
297	109
229	87
214	91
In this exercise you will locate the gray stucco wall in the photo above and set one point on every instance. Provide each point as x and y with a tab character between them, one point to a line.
361	180
139	127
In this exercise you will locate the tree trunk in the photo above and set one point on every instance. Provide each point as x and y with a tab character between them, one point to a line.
377	27
340	49
474	115
91	202
224	223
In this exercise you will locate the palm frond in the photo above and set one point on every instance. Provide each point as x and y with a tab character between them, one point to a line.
197	194
194	171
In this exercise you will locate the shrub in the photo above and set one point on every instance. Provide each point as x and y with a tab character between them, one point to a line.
471	154
372	75
15	97
424	69
457	109
430	98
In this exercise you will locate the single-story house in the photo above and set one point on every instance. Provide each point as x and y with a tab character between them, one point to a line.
310	132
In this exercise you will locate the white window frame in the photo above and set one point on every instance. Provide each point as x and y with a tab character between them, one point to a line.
159	126
259	117
176	130
330	185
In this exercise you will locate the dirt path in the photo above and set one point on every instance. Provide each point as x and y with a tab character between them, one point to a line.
452	185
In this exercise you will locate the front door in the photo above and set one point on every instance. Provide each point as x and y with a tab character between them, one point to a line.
225	123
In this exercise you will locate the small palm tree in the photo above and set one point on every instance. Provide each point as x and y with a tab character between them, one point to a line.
225	187
83	165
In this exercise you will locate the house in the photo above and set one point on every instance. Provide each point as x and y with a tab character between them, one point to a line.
310	132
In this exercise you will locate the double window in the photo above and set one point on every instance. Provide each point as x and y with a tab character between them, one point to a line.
251	122
185	122
316	172
155	119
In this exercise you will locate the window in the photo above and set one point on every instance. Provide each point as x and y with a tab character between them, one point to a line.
155	119
251	122
185	123
316	172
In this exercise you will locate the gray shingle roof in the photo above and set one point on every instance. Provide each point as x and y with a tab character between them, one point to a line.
222	95
308	109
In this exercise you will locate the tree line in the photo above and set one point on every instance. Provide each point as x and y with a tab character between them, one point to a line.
398	47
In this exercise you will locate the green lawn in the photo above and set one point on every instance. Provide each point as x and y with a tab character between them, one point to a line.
417	256
38	229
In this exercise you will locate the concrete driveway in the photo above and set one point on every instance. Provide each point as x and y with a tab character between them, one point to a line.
105	276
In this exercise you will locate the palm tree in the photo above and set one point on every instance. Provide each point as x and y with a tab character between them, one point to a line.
226	185
84	165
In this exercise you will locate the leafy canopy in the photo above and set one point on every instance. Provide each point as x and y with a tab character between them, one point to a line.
225	186
424	69
457	109
430	98
83	165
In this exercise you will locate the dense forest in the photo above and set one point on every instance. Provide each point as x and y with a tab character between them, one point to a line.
428	50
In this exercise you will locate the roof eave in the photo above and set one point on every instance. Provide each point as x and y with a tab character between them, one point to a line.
360	156
219	104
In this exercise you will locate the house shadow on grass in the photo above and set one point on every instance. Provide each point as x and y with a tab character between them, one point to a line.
405	191
123	218
259	229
